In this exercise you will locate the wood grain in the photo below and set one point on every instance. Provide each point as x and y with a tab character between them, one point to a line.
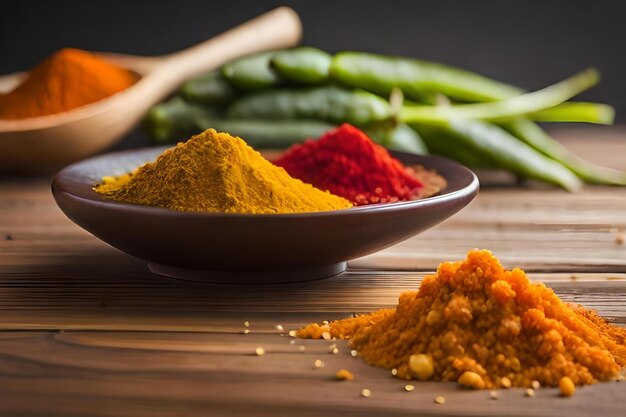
70	373
87	331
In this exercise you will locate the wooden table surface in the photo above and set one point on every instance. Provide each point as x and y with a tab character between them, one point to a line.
87	331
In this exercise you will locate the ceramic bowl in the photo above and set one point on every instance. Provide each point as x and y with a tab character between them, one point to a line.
244	248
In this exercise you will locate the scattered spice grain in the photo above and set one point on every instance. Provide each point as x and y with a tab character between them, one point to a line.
566	386
409	387
471	379
421	366
505	383
440	400
259	351
366	393
344	375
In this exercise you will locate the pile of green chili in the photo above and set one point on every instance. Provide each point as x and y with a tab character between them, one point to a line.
279	98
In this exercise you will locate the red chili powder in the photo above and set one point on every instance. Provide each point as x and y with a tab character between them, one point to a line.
346	162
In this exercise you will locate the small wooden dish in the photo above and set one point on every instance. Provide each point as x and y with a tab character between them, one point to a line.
242	248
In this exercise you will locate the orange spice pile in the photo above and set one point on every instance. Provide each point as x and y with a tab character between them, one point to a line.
486	327
68	79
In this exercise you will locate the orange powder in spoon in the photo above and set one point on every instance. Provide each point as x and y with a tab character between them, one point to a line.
68	79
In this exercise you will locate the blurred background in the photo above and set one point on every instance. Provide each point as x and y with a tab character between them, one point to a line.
530	43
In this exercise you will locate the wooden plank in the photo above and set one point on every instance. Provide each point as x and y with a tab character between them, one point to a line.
91	367
114	282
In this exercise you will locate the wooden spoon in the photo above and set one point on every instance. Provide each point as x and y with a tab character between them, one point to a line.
48	142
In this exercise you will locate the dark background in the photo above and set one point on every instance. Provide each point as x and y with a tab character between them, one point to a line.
528	43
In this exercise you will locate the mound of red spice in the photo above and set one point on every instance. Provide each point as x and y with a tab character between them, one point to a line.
346	162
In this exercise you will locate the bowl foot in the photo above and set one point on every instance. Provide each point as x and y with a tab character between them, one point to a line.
248	277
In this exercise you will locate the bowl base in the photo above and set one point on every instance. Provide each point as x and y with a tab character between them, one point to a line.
248	277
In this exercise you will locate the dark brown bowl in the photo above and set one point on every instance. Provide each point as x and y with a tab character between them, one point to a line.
245	248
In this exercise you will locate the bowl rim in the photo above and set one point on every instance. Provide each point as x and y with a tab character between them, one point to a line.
62	181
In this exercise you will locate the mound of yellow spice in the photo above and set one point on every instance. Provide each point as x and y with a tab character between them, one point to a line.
216	172
486	327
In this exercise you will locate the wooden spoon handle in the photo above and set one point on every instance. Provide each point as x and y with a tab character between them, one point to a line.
279	28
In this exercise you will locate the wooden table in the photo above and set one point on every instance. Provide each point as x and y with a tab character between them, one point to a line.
88	331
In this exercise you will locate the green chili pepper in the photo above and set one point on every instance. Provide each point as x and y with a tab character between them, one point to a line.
280	134
494	146
268	134
174	119
211	88
537	138
303	65
252	72
505	109
417	79
443	141
177	119
329	103
400	138
576	112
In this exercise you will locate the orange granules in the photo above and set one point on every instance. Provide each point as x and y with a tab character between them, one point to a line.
475	316
68	79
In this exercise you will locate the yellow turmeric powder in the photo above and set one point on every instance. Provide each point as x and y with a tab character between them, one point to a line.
475	320
216	172
68	79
